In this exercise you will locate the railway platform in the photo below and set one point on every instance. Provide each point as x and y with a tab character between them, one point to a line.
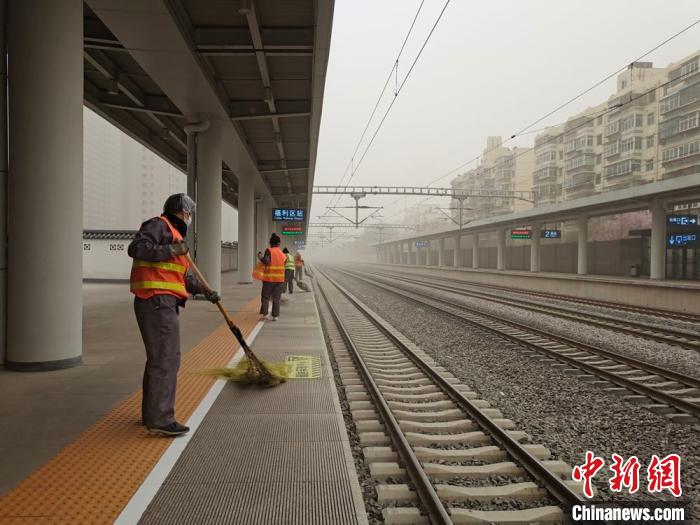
74	452
678	296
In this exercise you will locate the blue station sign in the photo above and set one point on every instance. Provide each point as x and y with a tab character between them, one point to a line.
421	244
550	234
287	214
681	220
680	240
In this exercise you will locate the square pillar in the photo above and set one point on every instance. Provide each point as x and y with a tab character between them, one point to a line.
501	250
535	248
657	268
456	254
582	258
441	252
246	228
475	251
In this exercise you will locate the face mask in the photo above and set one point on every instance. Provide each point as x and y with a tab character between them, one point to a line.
188	220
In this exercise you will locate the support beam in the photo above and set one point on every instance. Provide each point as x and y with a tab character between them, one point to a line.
44	314
535	248
657	268
475	251
246	228
582	258
209	158
501	250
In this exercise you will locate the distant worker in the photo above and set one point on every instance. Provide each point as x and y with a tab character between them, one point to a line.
288	271
161	283
273	279
299	266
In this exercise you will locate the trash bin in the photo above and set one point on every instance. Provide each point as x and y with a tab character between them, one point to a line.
634	270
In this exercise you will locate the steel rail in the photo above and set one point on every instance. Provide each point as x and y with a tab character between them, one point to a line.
655	312
664	335
657	395
436	510
556	486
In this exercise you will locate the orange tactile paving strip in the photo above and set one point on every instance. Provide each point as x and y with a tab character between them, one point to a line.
95	476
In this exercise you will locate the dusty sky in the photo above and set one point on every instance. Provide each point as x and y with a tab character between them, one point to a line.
490	68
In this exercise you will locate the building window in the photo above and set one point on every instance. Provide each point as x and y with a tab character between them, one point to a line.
597	178
599	140
599	121
650	118
679	152
649	165
650	141
623	85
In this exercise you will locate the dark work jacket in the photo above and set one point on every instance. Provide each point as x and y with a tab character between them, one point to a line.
152	243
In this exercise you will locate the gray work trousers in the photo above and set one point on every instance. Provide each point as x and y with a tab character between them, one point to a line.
300	273
160	330
289	280
271	291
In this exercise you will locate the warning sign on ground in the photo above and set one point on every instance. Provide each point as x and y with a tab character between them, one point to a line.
303	366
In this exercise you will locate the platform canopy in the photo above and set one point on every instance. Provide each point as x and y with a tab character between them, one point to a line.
152	66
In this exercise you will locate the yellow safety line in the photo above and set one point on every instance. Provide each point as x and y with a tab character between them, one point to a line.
95	476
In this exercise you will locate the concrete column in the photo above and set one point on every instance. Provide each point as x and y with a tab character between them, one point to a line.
406	249
657	269
501	250
456	254
535	248
45	220
441	252
209	157
475	251
246	228
3	182
582	265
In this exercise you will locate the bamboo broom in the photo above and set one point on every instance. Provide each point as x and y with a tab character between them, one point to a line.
251	369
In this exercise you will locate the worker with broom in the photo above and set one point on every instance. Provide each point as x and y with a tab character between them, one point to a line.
288	271
161	284
271	273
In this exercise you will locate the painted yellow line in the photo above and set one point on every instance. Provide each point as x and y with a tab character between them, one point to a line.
95	476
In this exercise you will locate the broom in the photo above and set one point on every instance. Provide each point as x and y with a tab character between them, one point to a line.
250	369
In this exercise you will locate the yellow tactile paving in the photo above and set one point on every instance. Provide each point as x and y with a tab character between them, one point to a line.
95	476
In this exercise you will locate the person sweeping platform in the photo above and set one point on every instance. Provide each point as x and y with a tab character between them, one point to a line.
161	284
288	271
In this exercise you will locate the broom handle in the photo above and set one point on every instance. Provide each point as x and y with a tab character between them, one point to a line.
236	331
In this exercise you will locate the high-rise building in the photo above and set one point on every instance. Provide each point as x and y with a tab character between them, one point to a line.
583	146
679	111
500	169
549	157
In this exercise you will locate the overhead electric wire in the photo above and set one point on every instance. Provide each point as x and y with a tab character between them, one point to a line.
381	95
561	106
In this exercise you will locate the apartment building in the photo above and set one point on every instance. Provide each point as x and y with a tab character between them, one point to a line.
500	169
583	146
679	114
630	154
549	157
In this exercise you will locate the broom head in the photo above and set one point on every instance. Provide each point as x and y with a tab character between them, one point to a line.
249	372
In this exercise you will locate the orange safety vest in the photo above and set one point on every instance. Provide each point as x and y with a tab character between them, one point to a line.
273	272
298	261
165	277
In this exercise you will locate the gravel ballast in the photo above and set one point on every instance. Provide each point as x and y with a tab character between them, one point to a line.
567	415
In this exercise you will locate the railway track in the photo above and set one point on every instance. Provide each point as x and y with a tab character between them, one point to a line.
437	453
653	312
663	391
671	336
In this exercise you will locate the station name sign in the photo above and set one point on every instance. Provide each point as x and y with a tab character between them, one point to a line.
421	244
520	233
287	214
292	230
299	243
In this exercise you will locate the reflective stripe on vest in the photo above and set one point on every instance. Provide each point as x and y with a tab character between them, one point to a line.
274	272
149	278
289	263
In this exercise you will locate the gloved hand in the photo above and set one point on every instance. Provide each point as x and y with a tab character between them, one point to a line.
179	248
212	296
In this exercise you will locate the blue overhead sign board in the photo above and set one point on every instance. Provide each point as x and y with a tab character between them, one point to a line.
681	220
299	243
421	244
286	214
679	240
551	234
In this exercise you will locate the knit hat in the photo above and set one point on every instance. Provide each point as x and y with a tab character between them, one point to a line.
274	240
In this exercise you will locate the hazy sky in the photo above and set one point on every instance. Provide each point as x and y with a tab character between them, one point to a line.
490	68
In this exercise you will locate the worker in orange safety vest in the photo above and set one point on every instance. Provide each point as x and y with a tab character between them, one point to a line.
161	285
271	273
